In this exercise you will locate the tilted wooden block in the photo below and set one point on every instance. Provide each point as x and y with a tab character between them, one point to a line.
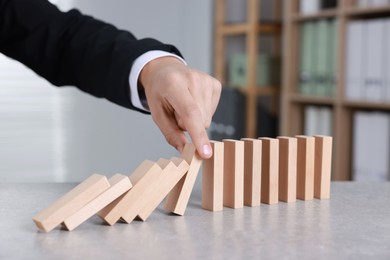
212	179
119	184
233	178
287	169
71	202
270	171
129	205
252	171
322	166
173	171
178	198
305	167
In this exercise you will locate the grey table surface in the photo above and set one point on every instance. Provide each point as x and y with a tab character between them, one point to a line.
353	224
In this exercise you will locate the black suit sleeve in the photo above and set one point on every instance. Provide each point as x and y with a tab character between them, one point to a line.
71	48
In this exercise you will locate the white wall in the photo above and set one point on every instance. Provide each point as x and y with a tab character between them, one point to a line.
186	24
97	136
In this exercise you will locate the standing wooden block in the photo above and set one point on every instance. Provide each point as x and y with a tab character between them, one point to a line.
119	184
128	206
173	171
71	202
305	167
212	179
270	171
322	166
287	169
233	178
178	198
252	171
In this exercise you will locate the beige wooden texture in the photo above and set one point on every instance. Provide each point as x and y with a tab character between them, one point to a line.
173	171
233	177
71	202
212	179
178	198
322	166
119	184
252	171
252	45
270	171
305	167
128	206
287	169
219	43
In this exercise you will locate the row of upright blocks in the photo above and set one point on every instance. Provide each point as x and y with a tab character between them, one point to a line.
266	170
240	172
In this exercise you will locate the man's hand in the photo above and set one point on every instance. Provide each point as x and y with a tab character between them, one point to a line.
181	99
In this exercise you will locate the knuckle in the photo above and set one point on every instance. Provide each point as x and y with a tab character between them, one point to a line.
170	138
194	77
172	78
217	86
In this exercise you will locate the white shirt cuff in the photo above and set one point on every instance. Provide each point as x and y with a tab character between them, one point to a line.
136	69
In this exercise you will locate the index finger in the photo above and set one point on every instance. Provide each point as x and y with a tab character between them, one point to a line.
191	116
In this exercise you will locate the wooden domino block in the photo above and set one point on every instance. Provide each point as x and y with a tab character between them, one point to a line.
119	184
178	198
305	167
128	206
71	202
252	171
212	179
322	166
173	172
287	169
233	178
270	171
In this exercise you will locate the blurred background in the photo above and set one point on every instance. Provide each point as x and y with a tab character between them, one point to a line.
287	68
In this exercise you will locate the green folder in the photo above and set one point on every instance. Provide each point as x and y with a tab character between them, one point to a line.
267	71
333	56
321	51
237	70
307	44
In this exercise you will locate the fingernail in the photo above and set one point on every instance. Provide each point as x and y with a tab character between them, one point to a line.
207	150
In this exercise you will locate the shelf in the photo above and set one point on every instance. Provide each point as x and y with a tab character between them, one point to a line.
292	111
367	105
315	100
263	91
260	91
243	28
357	12
235	29
329	13
253	29
269	28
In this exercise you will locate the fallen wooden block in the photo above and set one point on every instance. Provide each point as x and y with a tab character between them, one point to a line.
233	178
322	166
119	184
178	198
171	174
71	202
212	179
305	167
287	169
270	171
128	206
252	171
